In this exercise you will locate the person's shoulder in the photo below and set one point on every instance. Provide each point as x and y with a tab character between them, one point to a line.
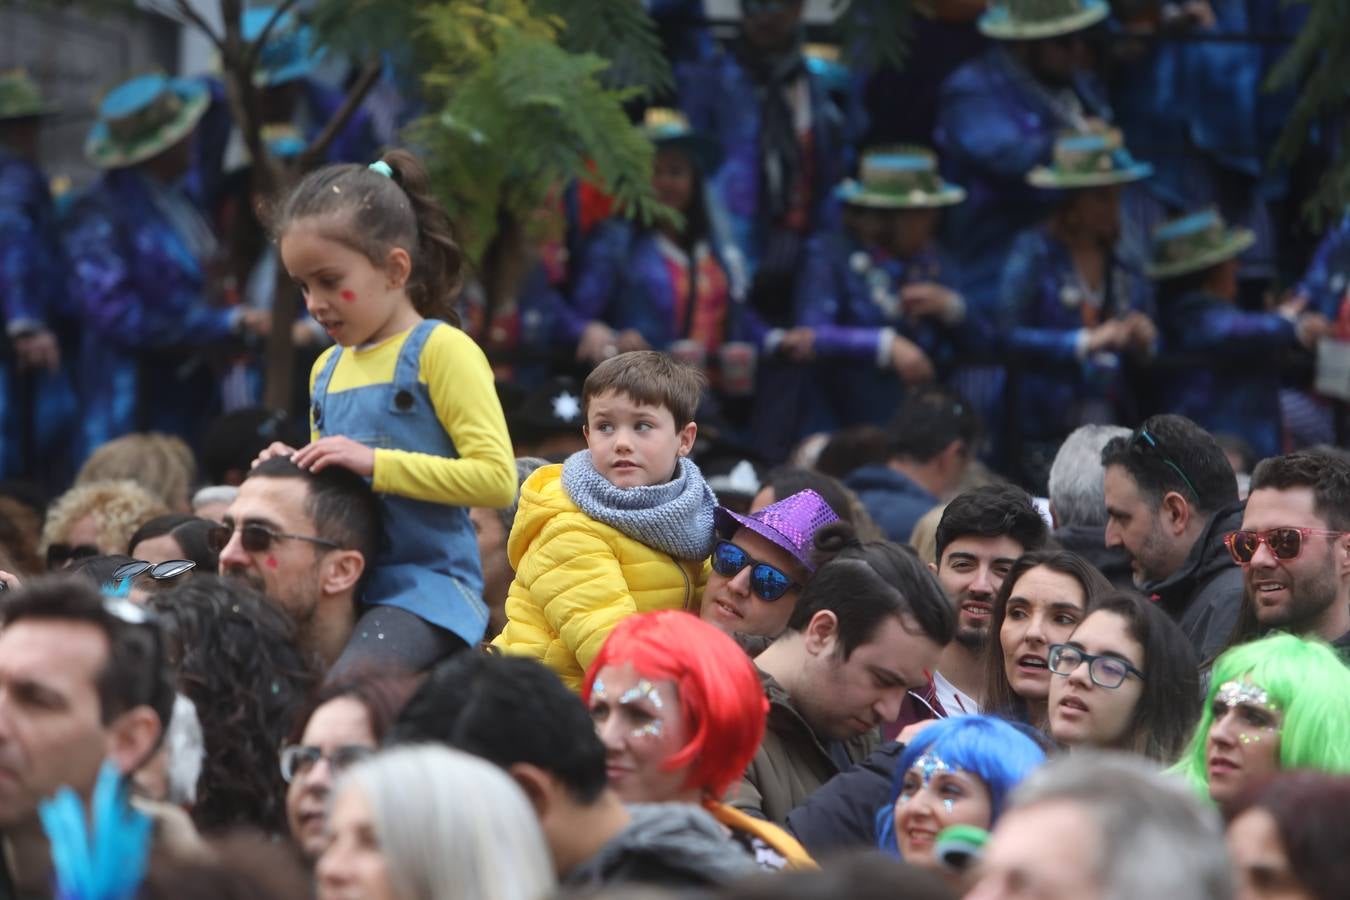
448	338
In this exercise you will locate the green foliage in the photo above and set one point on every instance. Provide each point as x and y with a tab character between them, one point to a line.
620	32
515	115
874	32
1319	62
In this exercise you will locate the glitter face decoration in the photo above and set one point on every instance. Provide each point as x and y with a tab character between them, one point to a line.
928	766
644	690
1232	694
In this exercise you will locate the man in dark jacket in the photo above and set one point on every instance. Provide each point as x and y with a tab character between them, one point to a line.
931	442
1078	501
1171	497
517	714
867	628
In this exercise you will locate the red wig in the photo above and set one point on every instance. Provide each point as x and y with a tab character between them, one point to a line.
720	692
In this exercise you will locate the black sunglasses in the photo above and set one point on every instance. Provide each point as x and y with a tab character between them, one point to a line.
60	554
258	538
1147	440
767	582
158	571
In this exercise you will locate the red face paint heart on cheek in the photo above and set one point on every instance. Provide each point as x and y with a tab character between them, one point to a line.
348	296
271	562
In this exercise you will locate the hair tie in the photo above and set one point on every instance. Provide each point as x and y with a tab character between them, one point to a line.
383	168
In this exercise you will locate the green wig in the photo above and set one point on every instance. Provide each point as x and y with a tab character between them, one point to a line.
1309	684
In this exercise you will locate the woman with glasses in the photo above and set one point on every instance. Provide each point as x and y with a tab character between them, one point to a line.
1128	680
957	771
347	721
681	712
760	563
1275	704
1045	596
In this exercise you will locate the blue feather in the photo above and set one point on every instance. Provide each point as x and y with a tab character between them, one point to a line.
110	863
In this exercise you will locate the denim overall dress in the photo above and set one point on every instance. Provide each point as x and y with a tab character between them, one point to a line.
428	562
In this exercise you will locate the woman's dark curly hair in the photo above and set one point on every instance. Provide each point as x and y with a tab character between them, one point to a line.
237	659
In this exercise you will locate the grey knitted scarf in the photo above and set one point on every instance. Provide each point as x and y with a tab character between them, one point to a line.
675	517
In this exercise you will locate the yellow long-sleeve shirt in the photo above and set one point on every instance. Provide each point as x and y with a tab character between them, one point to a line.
459	381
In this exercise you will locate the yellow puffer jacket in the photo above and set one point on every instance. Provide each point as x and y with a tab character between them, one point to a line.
576	578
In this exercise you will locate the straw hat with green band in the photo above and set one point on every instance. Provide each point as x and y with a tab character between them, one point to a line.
670	128
1084	160
900	178
141	118
1031	20
1195	242
20	97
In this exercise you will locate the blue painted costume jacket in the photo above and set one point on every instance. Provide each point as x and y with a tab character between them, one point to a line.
143	293
1042	310
33	297
995	123
1327	281
849	297
721	99
1226	400
624	281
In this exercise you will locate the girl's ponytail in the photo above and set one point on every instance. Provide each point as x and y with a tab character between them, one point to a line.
438	261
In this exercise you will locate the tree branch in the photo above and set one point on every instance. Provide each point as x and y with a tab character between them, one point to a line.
198	21
255	50
316	149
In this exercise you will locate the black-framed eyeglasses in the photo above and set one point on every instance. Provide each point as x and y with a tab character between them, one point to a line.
60	554
258	538
165	571
767	582
1148	440
298	759
1105	671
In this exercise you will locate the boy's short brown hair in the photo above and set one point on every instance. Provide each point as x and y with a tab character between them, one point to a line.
649	377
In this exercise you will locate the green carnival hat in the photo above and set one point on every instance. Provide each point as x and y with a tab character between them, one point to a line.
20	97
900	178
142	117
1194	243
1083	160
666	127
289	52
1031	20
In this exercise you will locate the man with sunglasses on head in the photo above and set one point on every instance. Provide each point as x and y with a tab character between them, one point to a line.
760	563
304	539
83	681
1294	550
1171	497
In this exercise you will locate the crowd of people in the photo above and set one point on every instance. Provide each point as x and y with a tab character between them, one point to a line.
814	546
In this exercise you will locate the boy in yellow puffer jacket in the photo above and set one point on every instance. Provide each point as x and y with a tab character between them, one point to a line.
623	527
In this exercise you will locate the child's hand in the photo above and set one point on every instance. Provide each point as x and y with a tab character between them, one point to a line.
336	450
276	448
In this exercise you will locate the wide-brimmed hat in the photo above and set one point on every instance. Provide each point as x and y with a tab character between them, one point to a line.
1030	20
791	523
143	117
20	97
289	53
666	127
900	178
1089	159
1195	242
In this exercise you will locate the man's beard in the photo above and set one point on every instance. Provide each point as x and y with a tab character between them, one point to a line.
252	579
1309	598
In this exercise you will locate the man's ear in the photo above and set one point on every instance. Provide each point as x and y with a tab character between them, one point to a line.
132	738
1343	555
1175	513
822	633
342	569
538	785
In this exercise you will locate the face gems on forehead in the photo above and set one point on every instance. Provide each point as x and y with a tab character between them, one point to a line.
643	690
930	764
1236	693
598	689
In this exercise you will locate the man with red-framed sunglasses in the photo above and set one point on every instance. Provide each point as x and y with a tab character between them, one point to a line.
1294	550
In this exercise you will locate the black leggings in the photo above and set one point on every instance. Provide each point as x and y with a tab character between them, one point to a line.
387	637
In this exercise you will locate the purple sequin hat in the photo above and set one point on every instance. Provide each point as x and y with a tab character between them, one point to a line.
790	523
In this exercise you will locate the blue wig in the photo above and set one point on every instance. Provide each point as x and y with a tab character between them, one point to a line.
996	751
